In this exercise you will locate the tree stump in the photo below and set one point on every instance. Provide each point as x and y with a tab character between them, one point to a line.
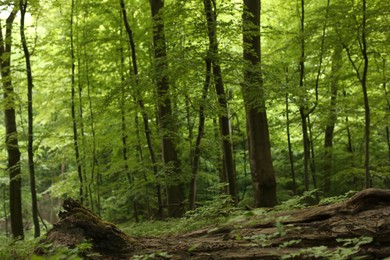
78	225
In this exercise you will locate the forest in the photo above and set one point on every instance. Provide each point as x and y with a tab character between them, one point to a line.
149	112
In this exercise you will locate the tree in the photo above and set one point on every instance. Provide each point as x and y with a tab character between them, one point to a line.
30	151
195	165
228	161
166	119
11	133
262	171
82	191
332	117
362	77
138	98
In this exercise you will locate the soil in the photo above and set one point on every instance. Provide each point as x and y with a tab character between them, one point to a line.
359	226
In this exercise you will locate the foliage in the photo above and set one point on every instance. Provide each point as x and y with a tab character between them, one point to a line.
308	198
123	186
10	249
61	252
339	198
349	248
221	205
159	255
214	212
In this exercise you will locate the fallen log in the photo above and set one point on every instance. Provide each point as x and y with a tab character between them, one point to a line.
79	225
359	226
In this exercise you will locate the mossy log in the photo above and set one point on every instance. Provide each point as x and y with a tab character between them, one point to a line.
320	232
79	225
359	226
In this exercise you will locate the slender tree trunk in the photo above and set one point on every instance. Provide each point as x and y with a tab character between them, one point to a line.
167	122
83	147
73	107
93	183
11	134
349	136
290	152
123	124
210	10
219	163
262	171
30	151
195	166
362	76
313	168
365	96
332	118
140	101
302	107
387	108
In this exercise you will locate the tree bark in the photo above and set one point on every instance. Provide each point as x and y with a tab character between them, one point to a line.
332	118
195	166
30	151
11	133
210	10
93	184
357	227
387	108
73	107
290	152
302	107
362	76
365	97
140	102
262	171
167	122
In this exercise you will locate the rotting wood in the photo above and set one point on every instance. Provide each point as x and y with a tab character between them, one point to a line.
79	225
269	236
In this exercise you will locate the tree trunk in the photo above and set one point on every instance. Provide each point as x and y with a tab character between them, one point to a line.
387	108
365	97
312	159
220	89
93	184
332	118
263	174
303	111
73	108
166	120
140	101
11	134
30	151
362	76
195	166
290	152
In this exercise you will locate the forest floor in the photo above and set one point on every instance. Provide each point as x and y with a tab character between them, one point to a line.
359	226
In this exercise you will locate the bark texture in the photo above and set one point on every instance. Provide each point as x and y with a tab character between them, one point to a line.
296	233
78	225
224	122
301	234
11	133
305	234
167	122
263	174
34	204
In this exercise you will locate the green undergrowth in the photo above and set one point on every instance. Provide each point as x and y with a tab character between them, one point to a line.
221	212
10	249
213	214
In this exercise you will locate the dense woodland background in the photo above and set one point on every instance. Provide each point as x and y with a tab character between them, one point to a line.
143	110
